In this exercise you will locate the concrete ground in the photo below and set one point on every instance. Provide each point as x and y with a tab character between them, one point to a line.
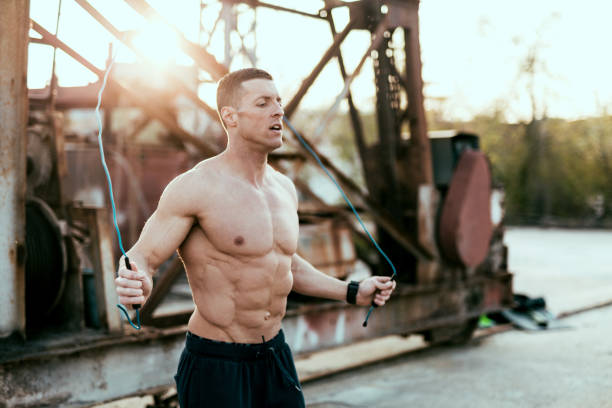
569	367
571	269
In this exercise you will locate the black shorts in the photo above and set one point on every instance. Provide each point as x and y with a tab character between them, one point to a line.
227	375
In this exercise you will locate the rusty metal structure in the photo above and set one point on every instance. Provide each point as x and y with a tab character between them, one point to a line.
62	342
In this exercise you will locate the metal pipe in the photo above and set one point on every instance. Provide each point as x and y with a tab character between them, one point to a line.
14	26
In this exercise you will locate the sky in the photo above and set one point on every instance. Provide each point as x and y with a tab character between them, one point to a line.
472	51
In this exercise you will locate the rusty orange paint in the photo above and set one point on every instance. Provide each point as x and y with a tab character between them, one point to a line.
465	224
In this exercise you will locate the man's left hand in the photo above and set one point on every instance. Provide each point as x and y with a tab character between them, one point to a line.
376	289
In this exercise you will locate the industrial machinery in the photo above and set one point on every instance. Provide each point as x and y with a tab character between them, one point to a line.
429	196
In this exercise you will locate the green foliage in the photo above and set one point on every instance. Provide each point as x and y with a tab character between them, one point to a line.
551	169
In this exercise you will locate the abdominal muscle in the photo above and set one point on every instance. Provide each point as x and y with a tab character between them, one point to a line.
238	298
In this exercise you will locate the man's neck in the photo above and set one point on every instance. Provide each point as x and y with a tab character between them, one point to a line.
248	163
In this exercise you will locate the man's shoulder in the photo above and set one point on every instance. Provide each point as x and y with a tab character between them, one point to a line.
187	188
208	169
284	181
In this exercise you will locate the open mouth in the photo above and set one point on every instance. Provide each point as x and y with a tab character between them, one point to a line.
276	127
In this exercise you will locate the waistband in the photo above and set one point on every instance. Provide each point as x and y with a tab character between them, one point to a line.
236	351
201	346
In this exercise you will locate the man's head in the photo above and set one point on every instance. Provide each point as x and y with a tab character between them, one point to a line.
249	106
229	88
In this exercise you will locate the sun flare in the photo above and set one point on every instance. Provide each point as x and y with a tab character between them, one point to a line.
158	43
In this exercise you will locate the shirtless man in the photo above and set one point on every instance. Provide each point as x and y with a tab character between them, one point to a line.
234	221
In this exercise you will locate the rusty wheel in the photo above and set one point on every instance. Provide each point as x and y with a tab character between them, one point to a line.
456	334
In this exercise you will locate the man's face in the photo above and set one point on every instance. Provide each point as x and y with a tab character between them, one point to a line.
260	114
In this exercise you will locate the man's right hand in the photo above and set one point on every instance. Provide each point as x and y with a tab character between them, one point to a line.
133	286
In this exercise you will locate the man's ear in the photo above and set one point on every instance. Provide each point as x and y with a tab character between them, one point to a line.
229	116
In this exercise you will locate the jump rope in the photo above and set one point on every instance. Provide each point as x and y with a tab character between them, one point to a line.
122	308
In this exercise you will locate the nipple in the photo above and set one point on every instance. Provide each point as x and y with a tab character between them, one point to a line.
238	240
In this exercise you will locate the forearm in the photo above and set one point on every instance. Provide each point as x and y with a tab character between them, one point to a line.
307	280
140	258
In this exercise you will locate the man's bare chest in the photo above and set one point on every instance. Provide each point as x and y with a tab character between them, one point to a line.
245	221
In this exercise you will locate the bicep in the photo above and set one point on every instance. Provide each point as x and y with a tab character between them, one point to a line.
162	235
168	226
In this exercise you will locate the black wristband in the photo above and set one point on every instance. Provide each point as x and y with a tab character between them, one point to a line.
351	292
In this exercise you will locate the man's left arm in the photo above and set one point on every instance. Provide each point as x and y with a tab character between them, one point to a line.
307	280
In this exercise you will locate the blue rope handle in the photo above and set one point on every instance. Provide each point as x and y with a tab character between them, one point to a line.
123	309
316	156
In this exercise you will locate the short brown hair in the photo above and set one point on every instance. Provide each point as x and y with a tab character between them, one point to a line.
229	85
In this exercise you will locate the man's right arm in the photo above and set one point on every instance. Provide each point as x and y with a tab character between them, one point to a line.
162	234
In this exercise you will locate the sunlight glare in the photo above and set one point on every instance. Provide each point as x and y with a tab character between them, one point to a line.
158	43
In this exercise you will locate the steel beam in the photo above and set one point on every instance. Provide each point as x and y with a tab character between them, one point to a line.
354	113
147	105
14	25
346	215
416	111
255	3
411	309
377	38
377	212
102	242
138	126
161	289
307	83
82	370
174	79
388	132
201	57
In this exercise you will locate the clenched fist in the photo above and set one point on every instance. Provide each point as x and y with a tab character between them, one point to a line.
133	287
375	289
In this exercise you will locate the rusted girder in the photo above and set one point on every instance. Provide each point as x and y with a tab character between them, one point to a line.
255	3
377	38
174	79
331	51
354	113
95	368
145	104
13	123
414	91
345	214
162	287
378	213
201	57
140	124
